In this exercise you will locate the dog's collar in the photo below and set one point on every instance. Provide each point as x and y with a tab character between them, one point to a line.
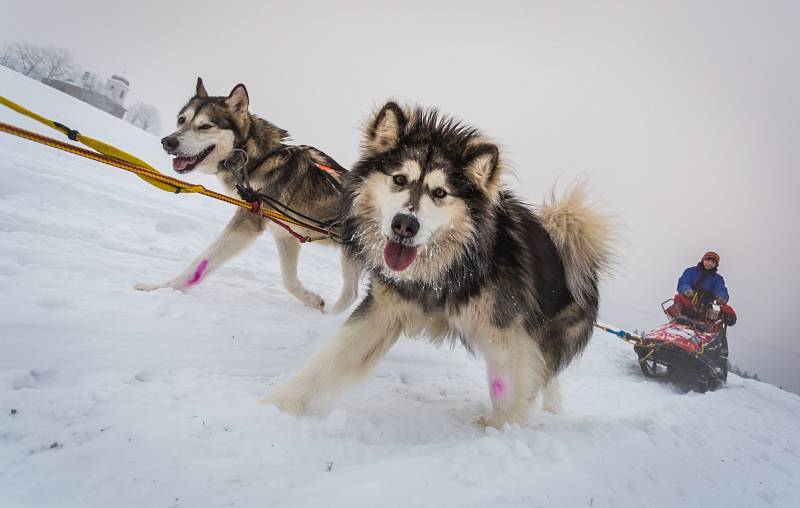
241	148
239	161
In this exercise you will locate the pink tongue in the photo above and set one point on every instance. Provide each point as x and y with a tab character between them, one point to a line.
180	163
397	256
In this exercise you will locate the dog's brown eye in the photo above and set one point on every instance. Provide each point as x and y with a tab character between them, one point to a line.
181	120
205	126
400	180
439	193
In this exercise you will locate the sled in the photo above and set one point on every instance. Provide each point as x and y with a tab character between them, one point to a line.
690	350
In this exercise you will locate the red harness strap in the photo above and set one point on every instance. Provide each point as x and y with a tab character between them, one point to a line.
300	238
328	169
255	207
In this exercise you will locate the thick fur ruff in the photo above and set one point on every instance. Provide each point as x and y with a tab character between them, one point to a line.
485	270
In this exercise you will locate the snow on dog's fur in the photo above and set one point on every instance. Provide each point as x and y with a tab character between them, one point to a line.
454	256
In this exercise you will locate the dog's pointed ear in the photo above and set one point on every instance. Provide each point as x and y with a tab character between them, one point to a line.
383	130
200	90
238	100
483	166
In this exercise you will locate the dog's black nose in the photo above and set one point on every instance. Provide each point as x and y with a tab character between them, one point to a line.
169	143
405	226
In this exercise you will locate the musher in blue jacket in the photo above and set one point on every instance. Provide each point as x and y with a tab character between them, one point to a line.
703	281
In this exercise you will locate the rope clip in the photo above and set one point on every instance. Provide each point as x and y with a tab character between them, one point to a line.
71	133
236	161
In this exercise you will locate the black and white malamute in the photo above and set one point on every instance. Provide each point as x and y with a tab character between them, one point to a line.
452	255
209	129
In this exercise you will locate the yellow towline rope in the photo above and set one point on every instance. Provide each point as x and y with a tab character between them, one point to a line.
115	157
92	143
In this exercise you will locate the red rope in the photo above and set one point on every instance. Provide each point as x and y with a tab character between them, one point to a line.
255	207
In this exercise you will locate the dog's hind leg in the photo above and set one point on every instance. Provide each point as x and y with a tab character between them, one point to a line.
515	370
240	232
551	396
367	335
351	275
288	253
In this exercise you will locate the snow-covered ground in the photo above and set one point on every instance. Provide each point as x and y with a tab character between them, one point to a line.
113	397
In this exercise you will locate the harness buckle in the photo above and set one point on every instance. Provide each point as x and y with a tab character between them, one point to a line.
71	133
236	161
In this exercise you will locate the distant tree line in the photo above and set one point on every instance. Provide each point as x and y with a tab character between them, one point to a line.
145	117
37	62
742	373
52	62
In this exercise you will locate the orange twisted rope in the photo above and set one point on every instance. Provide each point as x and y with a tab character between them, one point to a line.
166	182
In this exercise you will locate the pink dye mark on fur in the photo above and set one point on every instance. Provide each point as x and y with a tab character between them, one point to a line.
498	388
198	273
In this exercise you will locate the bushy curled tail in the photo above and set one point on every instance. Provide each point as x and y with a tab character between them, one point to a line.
584	239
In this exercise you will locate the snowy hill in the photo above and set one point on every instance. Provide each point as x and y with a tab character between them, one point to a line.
113	397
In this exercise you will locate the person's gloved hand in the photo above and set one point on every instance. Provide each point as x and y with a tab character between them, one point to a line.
689	293
721	300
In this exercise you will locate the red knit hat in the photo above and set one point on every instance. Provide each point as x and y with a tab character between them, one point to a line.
711	255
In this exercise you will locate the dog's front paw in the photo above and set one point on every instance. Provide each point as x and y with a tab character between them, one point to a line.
553	406
147	286
313	300
289	399
496	422
485	421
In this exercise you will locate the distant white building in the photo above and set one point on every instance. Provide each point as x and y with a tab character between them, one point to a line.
110	99
117	89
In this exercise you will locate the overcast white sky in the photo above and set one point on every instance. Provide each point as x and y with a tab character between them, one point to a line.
682	114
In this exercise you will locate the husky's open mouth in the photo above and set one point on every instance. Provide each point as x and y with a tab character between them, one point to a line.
399	256
183	164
